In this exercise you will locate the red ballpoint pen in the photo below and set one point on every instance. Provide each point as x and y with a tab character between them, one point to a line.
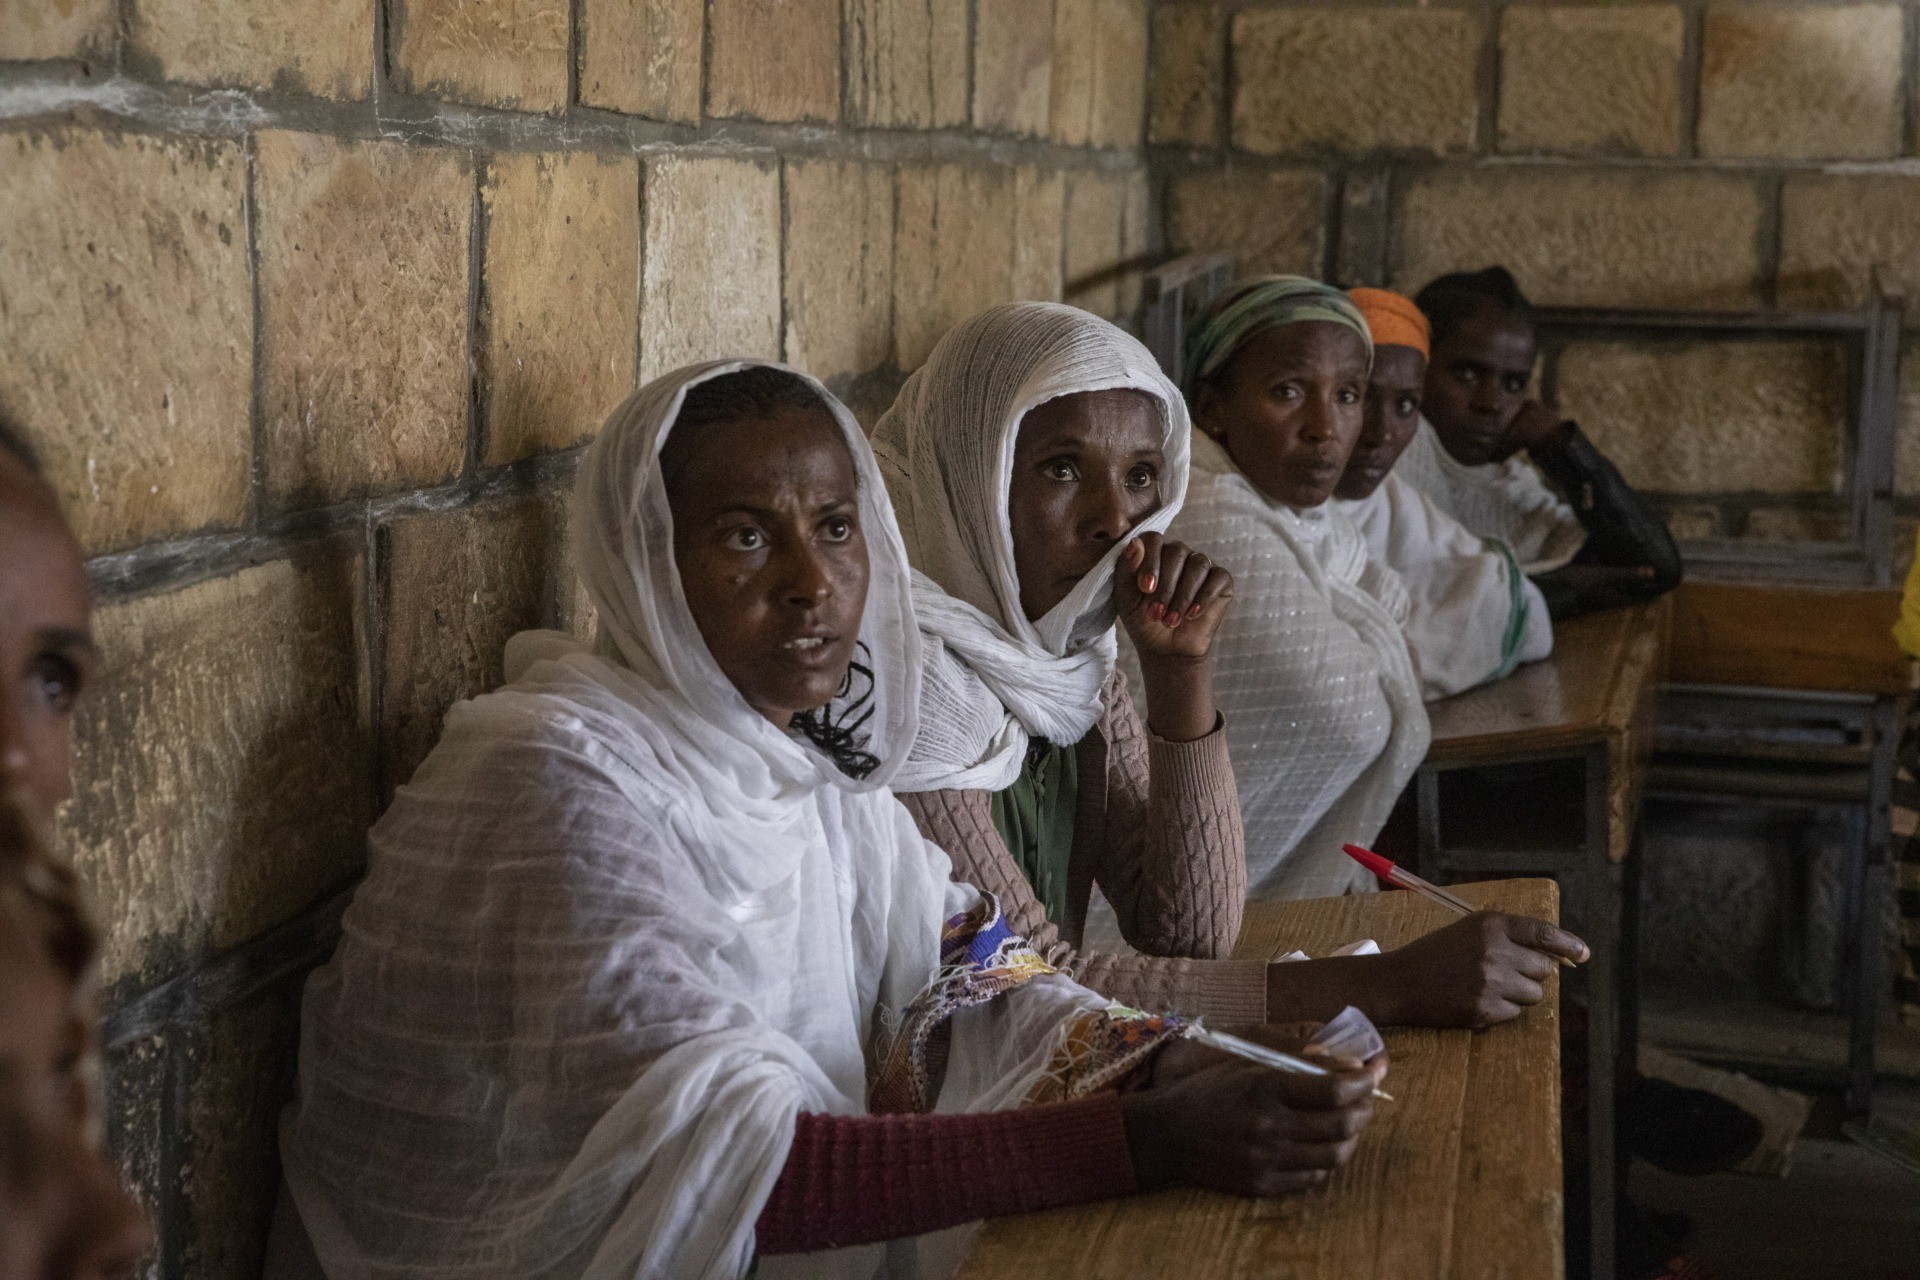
1400	878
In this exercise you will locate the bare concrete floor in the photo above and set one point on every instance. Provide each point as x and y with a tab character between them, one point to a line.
1841	1212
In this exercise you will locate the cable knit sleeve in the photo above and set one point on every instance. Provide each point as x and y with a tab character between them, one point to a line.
858	1179
1174	859
961	822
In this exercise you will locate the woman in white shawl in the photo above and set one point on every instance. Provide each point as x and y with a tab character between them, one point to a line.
645	938
1475	615
1328	723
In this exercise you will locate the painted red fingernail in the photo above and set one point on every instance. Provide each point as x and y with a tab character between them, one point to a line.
1147	583
1155	610
1173	622
1195	611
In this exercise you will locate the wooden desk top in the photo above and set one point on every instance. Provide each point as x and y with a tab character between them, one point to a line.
1459	1179
1602	670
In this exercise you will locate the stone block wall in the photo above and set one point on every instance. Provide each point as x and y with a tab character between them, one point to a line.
1687	154
310	305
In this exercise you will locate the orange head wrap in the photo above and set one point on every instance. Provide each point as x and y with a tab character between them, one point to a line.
1393	318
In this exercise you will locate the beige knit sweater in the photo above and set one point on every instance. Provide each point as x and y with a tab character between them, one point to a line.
1157	827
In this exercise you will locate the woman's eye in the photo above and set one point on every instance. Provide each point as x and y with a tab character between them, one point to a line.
1351	395
1406	406
56	681
1143	477
1516	385
1061	469
1467	376
837	528
1285	391
744	540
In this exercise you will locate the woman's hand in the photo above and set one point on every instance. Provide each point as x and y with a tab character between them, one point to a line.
1247	1129
1482	969
1172	599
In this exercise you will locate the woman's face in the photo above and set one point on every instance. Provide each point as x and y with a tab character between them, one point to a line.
1477	381
772	555
46	638
1392	414
63	1214
1086	470
1287	408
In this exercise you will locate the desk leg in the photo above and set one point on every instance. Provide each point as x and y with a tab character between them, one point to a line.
1603	901
1866	945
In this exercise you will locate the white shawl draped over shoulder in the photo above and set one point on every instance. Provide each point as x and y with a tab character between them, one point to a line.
618	931
1510	501
1325	721
1474	615
992	678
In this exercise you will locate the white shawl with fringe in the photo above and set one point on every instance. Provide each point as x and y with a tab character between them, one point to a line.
1474	615
993	678
618	931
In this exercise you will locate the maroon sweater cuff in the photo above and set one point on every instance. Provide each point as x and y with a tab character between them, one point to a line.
857	1179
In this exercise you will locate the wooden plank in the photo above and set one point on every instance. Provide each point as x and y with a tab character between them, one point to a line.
1451	1180
1632	712
1788	636
1557	704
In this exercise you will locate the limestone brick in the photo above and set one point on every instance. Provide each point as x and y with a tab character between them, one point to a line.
1605	238
559	312
839	266
244	1077
906	63
1095	204
1188	78
506	53
1039	213
1099	76
774	59
1270	221
1365	80
129	322
34	29
642	57
1807	82
1839	232
323	47
953	252
137	1088
710	273
1795	524
1581	81
1012	65
456	585
220	773
1711	417
363	310
1693	520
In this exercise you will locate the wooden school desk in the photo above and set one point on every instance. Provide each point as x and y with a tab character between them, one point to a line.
1541	774
1458	1177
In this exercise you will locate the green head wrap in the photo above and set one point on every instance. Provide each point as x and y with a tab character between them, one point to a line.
1255	305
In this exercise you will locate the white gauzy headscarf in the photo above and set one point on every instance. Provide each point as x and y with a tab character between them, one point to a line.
993	677
1326	722
1508	501
619	930
1475	616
